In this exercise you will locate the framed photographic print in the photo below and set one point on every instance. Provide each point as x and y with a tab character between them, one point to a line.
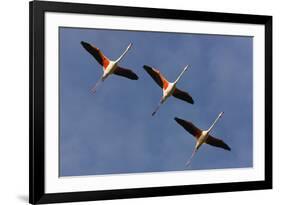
140	102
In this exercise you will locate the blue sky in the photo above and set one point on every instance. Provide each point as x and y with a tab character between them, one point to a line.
112	131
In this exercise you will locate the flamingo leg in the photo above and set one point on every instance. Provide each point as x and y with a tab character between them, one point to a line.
94	89
157	108
190	159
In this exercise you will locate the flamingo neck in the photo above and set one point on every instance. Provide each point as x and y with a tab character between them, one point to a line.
212	126
123	54
185	68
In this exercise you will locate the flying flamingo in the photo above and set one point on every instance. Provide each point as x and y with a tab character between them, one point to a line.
109	66
202	136
169	88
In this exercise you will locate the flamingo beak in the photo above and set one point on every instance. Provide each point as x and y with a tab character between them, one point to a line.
186	67
129	46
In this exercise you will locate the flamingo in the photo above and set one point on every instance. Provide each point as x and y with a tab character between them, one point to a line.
169	88
202	136
109	66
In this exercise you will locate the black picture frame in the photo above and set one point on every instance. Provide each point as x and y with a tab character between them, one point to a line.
37	10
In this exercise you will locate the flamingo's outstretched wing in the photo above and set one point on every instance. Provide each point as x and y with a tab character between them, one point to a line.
157	76
189	127
217	143
126	73
183	95
96	53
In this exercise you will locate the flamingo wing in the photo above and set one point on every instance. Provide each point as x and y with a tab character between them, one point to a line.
96	53
126	73
157	76
217	143
189	127
183	96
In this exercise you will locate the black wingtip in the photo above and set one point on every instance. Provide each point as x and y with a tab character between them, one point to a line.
85	44
226	147
146	67
134	76
191	101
